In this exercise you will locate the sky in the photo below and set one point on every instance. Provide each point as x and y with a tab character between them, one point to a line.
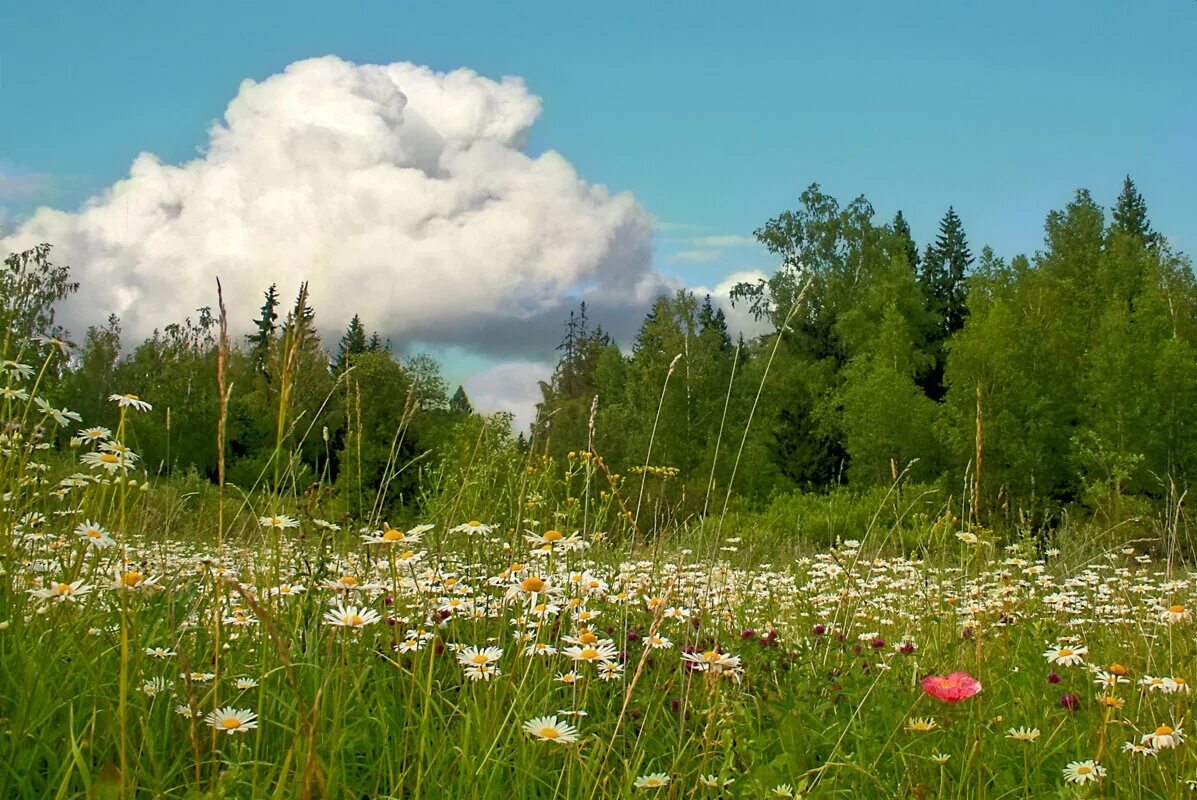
462	174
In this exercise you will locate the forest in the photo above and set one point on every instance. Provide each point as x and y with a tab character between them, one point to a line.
1024	387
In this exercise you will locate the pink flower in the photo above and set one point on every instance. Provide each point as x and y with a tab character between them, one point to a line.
951	688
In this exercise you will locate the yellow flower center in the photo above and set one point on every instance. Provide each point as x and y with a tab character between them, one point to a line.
93	533
1163	730
1083	770
533	585
392	535
230	723
587	638
474	523
132	578
407	554
132	397
1177	609
553	536
1179	681
64	588
352	619
1065	651
588	653
348	580
549	733
1118	669
284	590
109	458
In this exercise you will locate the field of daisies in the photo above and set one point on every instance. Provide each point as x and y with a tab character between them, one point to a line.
156	643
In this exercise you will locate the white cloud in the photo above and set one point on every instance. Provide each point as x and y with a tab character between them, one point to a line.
698	256
509	387
400	193
739	319
723	241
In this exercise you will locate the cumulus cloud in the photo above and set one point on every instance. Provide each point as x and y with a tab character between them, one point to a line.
739	319
509	387
401	194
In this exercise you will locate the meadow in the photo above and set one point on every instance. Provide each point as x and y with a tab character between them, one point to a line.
529	636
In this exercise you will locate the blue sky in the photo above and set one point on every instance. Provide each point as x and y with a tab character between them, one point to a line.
715	116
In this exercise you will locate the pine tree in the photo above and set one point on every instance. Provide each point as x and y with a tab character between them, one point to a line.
1130	214
352	343
266	325
460	403
375	343
906	241
713	323
943	272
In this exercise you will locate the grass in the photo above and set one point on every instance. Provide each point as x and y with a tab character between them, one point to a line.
783	664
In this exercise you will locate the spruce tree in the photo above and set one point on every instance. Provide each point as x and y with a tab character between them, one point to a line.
266	326
1130	214
460	403
906	241
352	343
942	276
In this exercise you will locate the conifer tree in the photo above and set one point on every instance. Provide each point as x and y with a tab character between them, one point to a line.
460	403
266	326
902	230
352	343
1130	214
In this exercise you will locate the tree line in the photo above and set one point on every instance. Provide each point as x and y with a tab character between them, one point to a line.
1021	386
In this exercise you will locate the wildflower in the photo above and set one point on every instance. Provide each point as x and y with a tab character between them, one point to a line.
1083	771
653	780
285	590
187	711
482	672
568	678
1109	680
951	688
110	462
921	724
94	434
1066	656
278	522
1176	614
1023	734
95	536
62	592
966	537
197	677
351	616
326	525
1164	738
1152	683
1070	701
1136	749
610	671
473	527
782	790
130	401
713	661
940	758
244	684
1175	685
159	652
591	653
132	580
474	656
713	781
658	642
232	720
550	729
389	535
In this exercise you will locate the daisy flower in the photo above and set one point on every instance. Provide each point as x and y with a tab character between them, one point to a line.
1176	614
591	653
351	616
713	661
244	684
62	592
278	522
232	720
159	652
95	536
110	462
1066	656
1163	738
473	527
482	672
286	590
921	724
1136	749
473	656
132	580
550	729
653	780
1023	734
1086	771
